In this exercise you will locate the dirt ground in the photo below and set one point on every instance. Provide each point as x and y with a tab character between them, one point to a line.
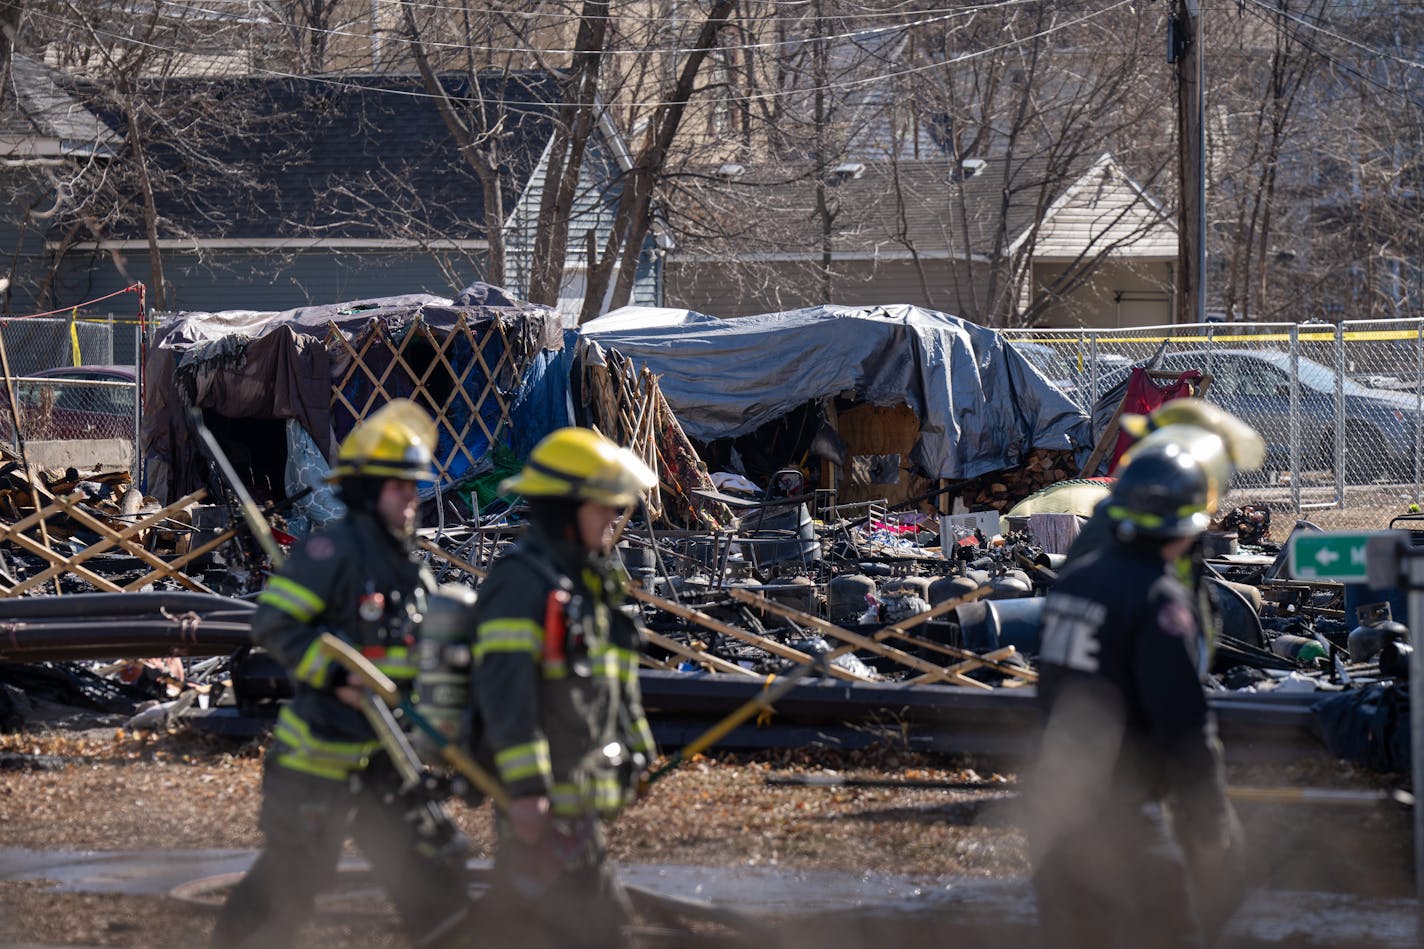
113	791
110	791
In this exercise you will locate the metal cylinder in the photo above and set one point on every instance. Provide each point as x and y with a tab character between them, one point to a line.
949	588
443	658
987	625
845	596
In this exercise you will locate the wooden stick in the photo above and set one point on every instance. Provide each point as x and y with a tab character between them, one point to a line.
854	639
987	660
20	442
697	655
52	556
701	619
429	546
153	560
178	563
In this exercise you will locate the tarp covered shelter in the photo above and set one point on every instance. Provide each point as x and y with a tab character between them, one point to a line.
489	368
981	407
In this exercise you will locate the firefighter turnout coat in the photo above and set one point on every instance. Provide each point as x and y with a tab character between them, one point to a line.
357	580
556	678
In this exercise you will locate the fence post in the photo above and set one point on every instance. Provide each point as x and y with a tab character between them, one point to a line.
1095	372
1340	414
139	342
1418	406
1295	415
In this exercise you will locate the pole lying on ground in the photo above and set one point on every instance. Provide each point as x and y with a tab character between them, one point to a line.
261	530
757	703
765	700
389	693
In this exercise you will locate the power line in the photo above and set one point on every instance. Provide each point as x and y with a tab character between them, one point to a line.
400	37
573	15
656	103
1275	15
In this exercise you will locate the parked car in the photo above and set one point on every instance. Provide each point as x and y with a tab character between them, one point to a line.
66	409
1061	367
1254	384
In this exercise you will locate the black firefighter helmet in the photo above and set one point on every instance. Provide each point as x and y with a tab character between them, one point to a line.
1162	493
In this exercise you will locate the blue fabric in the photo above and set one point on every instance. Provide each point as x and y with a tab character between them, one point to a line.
542	403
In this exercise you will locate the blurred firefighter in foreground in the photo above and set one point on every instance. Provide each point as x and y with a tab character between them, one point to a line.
556	698
1236	447
1132	838
1222	445
326	778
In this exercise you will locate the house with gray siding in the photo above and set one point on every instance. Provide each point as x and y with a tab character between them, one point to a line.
273	193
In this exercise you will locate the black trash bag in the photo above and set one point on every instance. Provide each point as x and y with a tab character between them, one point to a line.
1369	726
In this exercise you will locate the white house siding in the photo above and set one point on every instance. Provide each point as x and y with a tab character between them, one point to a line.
595	204
1104	212
1119	293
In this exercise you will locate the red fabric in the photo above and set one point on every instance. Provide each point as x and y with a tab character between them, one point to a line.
1144	395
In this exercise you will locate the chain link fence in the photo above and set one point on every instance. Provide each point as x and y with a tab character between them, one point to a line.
1341	407
75	385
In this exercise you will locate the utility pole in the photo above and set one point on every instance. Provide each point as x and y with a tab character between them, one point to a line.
1184	50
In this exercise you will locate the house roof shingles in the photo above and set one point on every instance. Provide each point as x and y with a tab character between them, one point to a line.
36	105
358	158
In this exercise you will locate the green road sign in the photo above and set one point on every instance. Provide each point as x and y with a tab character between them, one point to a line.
1332	556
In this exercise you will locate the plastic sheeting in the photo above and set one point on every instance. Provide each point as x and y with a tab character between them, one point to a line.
981	406
307	467
246	364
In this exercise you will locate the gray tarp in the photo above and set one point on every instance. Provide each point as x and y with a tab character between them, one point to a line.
981	405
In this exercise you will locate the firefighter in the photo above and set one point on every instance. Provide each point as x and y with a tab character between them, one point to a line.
1132	838
325	778
555	686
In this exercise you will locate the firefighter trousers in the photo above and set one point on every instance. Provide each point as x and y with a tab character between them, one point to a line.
1117	883
562	893
306	820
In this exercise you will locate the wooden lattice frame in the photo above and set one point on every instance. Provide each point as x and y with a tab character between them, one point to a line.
386	385
109	537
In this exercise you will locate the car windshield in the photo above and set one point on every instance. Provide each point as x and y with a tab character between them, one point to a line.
1314	375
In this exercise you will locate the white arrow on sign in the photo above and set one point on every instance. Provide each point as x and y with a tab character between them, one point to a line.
1325	556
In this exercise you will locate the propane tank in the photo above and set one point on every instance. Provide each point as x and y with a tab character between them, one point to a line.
845	596
950	588
1365	642
443	658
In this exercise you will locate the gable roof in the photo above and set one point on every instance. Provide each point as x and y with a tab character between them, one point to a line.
252	159
39	116
888	209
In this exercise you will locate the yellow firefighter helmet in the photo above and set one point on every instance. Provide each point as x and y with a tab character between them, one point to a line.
396	441
581	465
1206	448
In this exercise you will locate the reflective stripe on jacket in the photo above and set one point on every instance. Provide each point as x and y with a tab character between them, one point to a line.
352	567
